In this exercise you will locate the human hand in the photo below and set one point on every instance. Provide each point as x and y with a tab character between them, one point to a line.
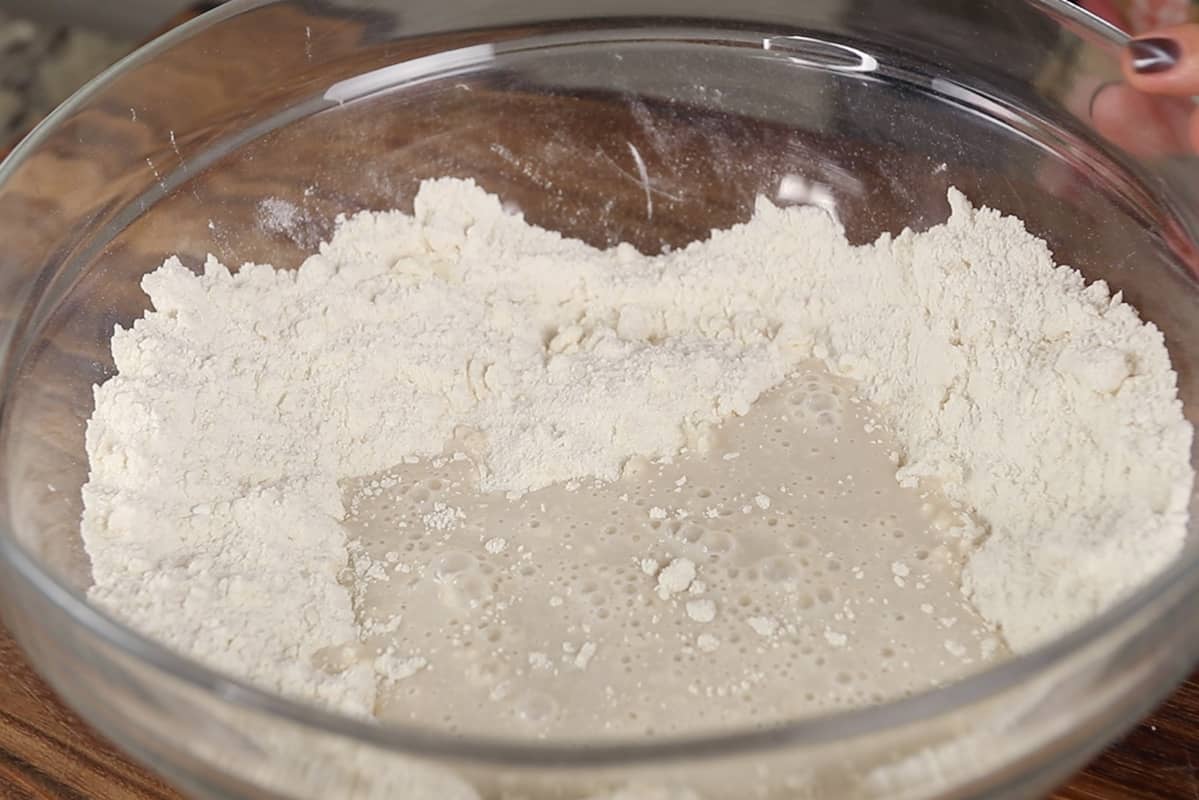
1152	112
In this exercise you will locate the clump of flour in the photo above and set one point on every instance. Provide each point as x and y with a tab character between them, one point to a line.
213	512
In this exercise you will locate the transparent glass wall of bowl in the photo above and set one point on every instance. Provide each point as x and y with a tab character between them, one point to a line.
866	108
216	746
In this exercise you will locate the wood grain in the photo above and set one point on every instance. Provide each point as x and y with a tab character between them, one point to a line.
47	753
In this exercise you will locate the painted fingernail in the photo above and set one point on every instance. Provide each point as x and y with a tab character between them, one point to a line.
1154	55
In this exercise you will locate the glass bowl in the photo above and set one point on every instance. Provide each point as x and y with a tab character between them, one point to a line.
244	134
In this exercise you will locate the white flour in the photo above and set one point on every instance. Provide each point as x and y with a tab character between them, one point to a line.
213	513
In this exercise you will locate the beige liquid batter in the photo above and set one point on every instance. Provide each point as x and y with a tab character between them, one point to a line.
819	583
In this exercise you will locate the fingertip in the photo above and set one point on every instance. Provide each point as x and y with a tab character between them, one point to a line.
1134	121
1165	61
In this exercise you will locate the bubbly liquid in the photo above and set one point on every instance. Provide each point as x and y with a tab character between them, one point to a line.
818	583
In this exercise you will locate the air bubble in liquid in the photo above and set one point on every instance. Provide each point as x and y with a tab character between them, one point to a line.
779	569
485	673
467	591
828	419
718	542
534	706
818	403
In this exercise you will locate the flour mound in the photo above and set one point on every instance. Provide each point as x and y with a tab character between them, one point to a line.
213	510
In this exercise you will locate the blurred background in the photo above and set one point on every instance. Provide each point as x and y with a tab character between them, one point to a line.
128	18
49	48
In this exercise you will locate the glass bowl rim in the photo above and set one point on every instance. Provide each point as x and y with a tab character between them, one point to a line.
1175	586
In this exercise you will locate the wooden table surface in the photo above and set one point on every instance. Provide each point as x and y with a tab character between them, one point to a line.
47	753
